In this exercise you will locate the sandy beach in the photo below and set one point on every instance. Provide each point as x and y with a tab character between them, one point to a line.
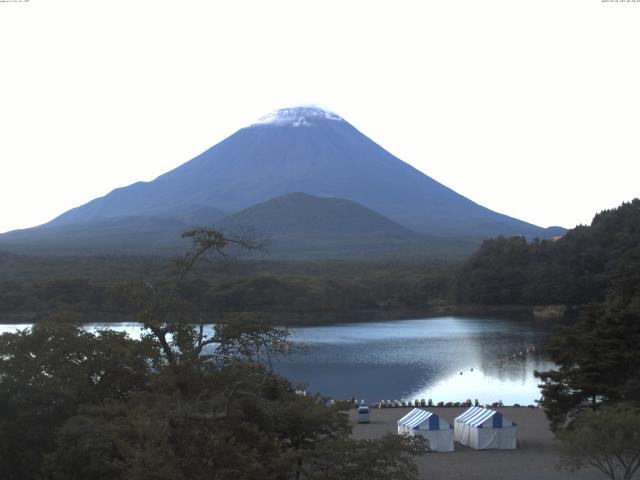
535	458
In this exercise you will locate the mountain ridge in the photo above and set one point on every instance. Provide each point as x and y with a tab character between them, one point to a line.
325	157
306	150
295	225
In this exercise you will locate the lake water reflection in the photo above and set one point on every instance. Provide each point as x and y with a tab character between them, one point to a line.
408	359
421	359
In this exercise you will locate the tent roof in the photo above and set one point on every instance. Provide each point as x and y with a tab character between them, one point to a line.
476	416
415	417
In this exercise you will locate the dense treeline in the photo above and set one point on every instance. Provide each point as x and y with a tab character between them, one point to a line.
586	265
592	397
92	288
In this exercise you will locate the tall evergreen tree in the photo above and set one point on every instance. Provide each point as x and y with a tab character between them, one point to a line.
598	363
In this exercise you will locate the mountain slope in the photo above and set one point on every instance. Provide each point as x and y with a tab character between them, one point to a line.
294	225
157	234
305	150
132	234
305	226
303	214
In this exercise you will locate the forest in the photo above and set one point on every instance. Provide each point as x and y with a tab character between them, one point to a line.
98	288
592	397
587	265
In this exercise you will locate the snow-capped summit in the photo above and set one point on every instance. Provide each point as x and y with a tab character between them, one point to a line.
297	117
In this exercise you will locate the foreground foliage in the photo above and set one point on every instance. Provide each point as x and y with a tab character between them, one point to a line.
384	459
607	439
78	405
48	374
598	363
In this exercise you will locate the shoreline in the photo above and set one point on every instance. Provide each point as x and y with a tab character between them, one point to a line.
364	315
534	458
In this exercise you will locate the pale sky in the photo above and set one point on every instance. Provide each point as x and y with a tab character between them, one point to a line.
530	108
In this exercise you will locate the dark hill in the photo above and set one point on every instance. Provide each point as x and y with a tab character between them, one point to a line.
306	226
303	214
295	225
588	264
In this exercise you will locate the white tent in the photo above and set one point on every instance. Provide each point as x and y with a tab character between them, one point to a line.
430	426
481	428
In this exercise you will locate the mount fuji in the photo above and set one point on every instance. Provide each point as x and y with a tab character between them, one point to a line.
293	150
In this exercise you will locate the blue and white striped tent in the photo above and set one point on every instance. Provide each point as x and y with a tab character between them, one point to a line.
430	426
483	428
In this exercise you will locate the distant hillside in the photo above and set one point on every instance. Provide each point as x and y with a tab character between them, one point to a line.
303	225
194	215
303	214
152	235
588	264
295	225
161	234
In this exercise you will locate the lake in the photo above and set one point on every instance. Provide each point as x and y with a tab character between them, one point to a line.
444	358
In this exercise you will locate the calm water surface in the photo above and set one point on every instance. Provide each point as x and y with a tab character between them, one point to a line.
429	358
408	359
